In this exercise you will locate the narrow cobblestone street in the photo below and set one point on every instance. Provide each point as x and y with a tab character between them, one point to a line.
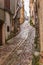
24	52
21	32
21	46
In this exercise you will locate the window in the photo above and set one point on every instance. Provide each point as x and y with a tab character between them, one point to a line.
7	28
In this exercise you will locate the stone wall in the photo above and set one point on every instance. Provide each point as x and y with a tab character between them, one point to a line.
22	13
40	15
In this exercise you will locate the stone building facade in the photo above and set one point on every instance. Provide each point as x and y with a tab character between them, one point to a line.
32	11
40	17
16	16
7	10
22	13
5	17
38	12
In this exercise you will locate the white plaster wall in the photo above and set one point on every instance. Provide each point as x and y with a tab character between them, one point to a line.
7	23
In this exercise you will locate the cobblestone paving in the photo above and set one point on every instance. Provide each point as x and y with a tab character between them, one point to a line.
24	52
22	55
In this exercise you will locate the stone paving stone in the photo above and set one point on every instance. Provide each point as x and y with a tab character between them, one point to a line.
23	54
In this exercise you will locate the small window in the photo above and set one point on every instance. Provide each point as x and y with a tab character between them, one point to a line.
7	28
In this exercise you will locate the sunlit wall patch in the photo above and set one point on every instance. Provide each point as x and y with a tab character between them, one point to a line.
26	6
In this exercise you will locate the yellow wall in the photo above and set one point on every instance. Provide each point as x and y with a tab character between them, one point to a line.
22	13
40	15
32	11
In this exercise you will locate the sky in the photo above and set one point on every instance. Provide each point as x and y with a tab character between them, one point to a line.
26	6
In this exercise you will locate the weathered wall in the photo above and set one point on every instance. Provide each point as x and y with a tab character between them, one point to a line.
22	13
2	14
40	14
32	11
12	5
7	23
1	3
